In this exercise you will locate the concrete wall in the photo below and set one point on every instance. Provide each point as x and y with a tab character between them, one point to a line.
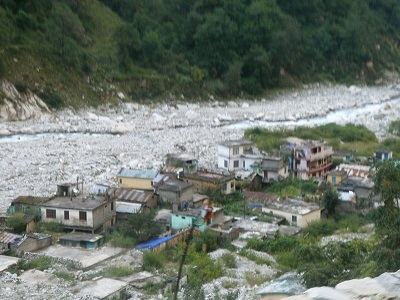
223	154
338	179
182	222
32	243
73	217
103	214
226	153
176	197
135	183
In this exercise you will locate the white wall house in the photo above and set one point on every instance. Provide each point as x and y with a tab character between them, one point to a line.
90	214
296	212
237	155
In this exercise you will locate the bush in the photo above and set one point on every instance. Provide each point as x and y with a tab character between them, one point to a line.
153	261
22	88
116	271
118	240
53	100
2	68
208	238
259	260
153	287
50	226
65	275
282	243
229	260
17	223
317	229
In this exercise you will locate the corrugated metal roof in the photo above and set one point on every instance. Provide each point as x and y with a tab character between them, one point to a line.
130	195
6	237
134	173
128	208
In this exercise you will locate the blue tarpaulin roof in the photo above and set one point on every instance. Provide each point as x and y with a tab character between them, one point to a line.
153	243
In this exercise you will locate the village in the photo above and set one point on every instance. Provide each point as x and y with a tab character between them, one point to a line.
181	193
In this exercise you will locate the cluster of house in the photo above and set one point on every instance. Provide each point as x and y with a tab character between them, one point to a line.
184	185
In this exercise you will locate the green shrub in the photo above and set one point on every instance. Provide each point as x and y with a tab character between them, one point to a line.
118	240
117	271
317	229
22	88
25	21
287	260
17	223
259	260
351	223
50	226
153	287
2	68
229	260
208	238
53	100
65	275
256	244
153	260
282	243
39	263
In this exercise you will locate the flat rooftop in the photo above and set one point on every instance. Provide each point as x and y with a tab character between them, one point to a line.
79	202
7	261
102	288
87	257
236	143
137	173
293	206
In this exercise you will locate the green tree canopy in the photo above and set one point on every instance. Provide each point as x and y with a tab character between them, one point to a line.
141	227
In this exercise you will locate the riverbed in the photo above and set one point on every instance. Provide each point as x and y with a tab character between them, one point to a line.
94	144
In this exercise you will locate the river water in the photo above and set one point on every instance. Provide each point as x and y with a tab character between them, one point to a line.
339	116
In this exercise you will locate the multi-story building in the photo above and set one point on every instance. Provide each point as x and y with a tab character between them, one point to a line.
309	159
274	167
237	155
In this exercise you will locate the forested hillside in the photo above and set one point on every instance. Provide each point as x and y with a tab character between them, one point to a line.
81	52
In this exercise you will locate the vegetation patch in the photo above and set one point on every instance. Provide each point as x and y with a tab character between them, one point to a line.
65	275
229	260
154	260
347	137
116	271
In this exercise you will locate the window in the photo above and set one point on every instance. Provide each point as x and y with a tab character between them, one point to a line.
50	213
244	164
333	179
66	214
235	151
112	205
82	216
120	181
225	164
236	164
294	219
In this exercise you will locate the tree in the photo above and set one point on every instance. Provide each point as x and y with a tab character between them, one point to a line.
17	223
386	184
141	227
330	200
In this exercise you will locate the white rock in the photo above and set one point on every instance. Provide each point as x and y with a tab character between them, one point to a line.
121	95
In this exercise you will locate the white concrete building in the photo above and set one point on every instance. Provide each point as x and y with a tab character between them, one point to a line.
237	155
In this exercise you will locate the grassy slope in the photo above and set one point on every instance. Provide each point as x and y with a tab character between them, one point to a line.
27	63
